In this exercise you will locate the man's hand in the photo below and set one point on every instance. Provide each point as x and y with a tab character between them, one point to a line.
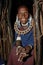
28	48
22	52
21	56
18	50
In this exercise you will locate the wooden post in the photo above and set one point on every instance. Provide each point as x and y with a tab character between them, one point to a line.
37	44
7	36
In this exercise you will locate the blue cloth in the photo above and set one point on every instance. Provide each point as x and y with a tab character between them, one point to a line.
27	39
2	61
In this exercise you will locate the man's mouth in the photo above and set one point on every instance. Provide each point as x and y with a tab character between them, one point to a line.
23	19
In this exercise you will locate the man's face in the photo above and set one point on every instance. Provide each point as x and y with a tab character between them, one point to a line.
23	15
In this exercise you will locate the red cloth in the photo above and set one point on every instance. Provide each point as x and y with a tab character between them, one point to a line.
13	59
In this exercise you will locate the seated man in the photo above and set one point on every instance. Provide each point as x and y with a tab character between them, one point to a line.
22	53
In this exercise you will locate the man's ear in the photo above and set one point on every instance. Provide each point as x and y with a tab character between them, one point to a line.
16	17
17	20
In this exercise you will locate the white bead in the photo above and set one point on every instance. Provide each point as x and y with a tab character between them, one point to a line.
18	38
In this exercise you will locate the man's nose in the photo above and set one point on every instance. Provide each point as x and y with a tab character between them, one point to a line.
23	15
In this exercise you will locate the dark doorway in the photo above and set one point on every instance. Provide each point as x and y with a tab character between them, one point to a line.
15	4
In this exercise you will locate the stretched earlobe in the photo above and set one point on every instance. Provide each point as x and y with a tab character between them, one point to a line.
16	18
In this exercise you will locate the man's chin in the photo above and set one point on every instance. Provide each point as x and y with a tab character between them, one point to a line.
23	21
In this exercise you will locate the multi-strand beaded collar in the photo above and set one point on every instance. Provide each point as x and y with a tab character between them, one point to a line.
24	31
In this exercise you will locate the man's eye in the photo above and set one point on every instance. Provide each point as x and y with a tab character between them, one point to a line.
26	13
23	13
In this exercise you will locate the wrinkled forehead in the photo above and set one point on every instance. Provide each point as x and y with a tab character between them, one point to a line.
22	8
